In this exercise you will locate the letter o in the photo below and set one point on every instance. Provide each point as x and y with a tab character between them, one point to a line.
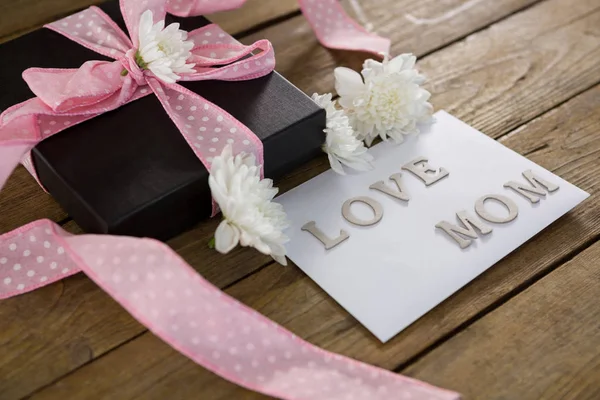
373	204
510	205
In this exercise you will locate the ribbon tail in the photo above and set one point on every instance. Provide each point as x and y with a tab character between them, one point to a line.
76	90
192	8
19	133
238	62
214	330
11	153
333	27
336	30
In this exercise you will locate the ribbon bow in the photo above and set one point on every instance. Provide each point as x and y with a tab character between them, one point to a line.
69	96
145	276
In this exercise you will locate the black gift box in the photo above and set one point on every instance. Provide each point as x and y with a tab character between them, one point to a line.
130	171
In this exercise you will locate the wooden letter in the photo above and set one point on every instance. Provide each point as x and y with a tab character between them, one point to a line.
421	168
534	188
329	243
383	188
470	224
510	205
375	206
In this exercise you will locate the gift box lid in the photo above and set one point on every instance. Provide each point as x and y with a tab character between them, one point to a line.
130	171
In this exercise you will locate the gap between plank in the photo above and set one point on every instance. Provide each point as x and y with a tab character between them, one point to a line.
539	148
134	337
566	100
484	311
524	285
246	32
494	306
267	24
462	326
483	28
277	20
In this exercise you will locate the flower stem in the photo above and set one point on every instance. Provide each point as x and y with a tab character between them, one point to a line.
140	61
211	243
124	72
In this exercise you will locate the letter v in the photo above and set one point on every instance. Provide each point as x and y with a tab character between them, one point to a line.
399	194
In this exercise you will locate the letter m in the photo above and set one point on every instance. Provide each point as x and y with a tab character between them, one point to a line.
535	187
469	224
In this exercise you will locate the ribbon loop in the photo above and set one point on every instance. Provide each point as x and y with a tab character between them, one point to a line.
132	11
66	90
69	96
238	61
93	29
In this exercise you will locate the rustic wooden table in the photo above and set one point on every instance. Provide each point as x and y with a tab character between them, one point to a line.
525	72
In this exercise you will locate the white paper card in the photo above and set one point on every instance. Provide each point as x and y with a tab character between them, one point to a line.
390	274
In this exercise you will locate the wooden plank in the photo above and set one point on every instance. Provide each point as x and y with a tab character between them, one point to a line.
29	15
564	140
415	26
542	344
22	201
21	368
515	49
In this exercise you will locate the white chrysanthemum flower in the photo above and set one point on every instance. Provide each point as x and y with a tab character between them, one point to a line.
387	100
341	144
250	218
163	51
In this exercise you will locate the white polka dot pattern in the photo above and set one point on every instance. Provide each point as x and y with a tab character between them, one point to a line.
145	276
331	24
336	30
158	288
206	127
95	30
132	10
98	87
31	258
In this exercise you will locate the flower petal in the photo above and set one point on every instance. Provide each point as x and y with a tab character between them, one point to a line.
164	51
226	237
336	165
146	22
280	259
348	83
402	62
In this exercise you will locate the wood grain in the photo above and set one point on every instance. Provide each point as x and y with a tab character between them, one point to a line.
50	348
495	80
542	344
415	26
567	137
290	294
28	15
22	201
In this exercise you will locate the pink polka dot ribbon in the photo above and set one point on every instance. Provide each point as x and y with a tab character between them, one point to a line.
145	276
331	24
164	293
66	97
